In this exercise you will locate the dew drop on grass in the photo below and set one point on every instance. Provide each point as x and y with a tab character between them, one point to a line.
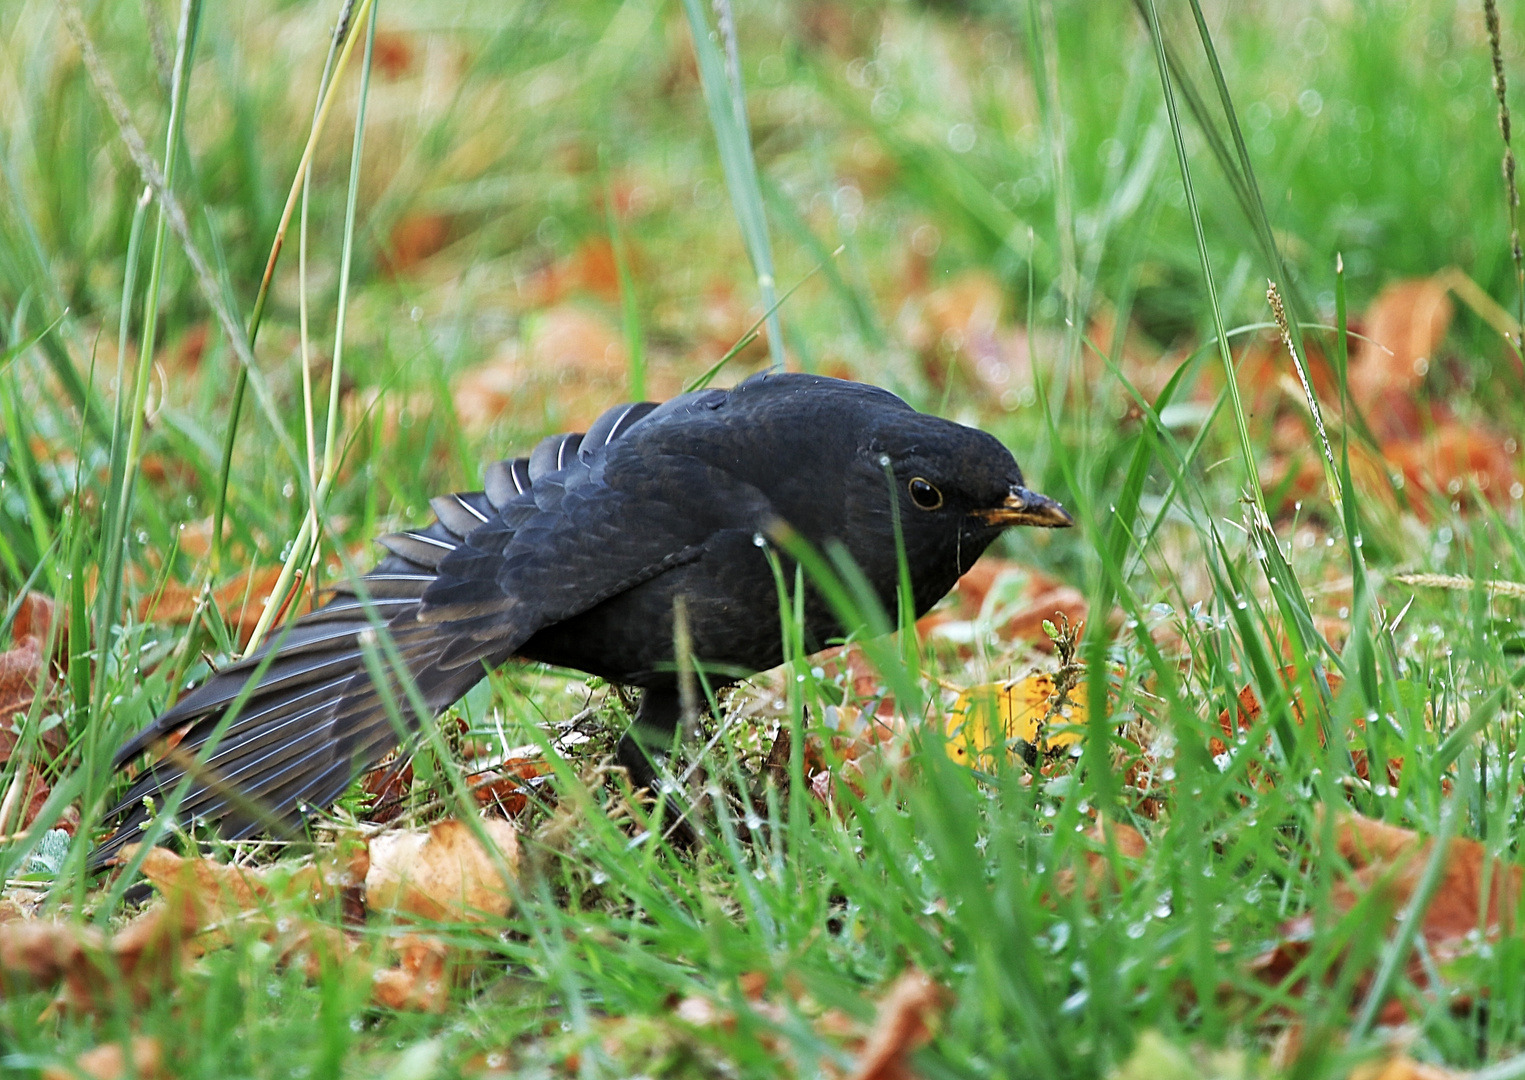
599	877
1138	929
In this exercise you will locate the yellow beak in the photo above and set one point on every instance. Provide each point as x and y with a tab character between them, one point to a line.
1023	507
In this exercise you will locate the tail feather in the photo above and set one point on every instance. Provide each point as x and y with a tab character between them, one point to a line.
314	719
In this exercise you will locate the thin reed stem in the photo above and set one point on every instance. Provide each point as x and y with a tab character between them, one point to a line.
1511	189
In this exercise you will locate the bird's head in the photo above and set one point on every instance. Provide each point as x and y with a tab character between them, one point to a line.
948	476
955	489
835	457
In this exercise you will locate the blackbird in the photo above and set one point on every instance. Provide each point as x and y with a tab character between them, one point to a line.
575	557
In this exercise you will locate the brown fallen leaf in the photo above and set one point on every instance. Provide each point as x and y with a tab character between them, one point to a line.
26	672
29	790
907	1015
109	1062
387	785
443	873
35	617
40	952
1387	862
198	900
43	953
216	891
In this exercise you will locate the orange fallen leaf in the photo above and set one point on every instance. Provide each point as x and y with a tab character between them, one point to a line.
570	366
506	786
443	873
1248	712
590	269
1095	852
419	982
1404	1067
393	54
1451	459
414	239
1402	329
109	1061
240	600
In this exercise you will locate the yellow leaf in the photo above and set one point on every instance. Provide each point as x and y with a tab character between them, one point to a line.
1019	708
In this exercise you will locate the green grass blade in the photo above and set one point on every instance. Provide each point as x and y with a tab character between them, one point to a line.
726	101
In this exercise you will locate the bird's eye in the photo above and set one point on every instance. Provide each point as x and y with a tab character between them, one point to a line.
925	495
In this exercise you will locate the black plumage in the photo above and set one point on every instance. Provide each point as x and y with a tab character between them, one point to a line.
575	556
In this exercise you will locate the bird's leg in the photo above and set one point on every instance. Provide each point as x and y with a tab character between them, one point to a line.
644	748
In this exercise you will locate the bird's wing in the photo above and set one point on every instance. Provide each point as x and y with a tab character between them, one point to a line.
601	525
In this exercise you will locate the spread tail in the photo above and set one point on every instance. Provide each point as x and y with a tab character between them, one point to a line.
313	719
